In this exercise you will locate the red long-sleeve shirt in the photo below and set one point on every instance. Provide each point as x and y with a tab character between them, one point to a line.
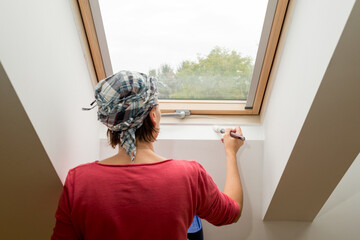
139	201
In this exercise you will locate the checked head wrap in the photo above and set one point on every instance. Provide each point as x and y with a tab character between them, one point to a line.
124	100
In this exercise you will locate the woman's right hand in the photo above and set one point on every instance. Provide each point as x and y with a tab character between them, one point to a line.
231	144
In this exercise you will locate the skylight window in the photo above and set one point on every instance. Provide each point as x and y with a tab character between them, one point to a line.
209	56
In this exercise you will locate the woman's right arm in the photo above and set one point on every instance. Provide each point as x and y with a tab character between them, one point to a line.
233	187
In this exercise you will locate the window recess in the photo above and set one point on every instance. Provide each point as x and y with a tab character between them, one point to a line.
221	78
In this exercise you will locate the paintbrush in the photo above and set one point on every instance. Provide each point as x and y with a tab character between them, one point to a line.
232	134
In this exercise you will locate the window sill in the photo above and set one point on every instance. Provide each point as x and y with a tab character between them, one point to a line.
200	127
203	132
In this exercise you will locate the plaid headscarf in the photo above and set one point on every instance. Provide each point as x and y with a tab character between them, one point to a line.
124	100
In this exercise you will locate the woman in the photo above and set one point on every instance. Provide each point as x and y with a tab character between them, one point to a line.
137	194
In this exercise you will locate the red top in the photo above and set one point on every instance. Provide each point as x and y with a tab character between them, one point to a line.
139	201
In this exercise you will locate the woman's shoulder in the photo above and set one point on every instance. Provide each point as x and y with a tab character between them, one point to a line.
85	165
82	167
192	163
188	164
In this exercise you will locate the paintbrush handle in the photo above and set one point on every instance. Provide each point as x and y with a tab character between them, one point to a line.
235	135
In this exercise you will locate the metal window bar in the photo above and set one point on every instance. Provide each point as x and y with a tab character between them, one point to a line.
177	114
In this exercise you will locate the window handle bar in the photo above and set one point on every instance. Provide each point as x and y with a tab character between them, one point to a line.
177	114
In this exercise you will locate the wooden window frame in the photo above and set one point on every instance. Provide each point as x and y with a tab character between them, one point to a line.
198	107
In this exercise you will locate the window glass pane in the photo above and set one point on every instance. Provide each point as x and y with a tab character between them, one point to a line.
199	49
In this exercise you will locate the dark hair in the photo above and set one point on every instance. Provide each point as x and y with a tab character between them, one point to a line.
143	133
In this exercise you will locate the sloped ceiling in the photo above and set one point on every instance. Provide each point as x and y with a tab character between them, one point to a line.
30	187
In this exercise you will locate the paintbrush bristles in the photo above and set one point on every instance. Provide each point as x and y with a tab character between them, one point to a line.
218	129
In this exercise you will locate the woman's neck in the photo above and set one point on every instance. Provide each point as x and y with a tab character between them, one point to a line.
143	145
144	154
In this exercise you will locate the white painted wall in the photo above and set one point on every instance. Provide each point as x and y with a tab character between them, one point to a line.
312	30
41	51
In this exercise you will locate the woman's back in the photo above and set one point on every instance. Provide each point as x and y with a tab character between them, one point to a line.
139	201
136	194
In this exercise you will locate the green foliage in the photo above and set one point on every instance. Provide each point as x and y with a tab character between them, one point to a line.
168	83
222	74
